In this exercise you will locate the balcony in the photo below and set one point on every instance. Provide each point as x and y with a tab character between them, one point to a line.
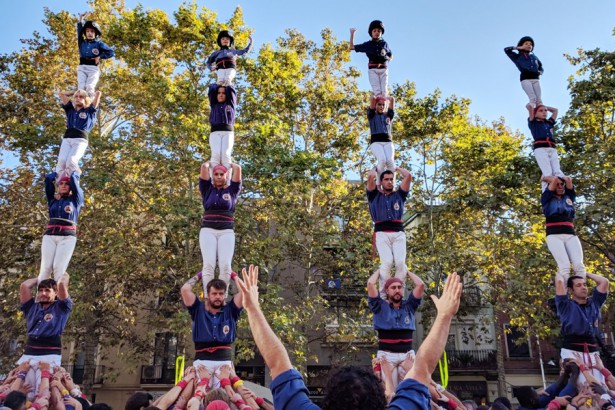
157	374
471	360
77	372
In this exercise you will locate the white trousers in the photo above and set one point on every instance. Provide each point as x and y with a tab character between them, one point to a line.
71	152
379	80
212	366
225	76
33	377
221	144
391	248
589	359
566	249
87	78
217	244
56	251
385	157
548	161
395	359
532	89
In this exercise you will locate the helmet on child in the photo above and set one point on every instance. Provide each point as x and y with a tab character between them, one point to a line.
375	24
225	33
524	39
93	25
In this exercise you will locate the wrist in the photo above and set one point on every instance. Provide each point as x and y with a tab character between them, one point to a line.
605	372
45	374
225	382
182	384
237	384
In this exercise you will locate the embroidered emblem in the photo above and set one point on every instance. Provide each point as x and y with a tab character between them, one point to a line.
396	206
568	201
48	317
95	51
68	209
226	329
83	115
226	196
407	320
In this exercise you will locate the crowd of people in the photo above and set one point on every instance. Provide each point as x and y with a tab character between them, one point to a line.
400	378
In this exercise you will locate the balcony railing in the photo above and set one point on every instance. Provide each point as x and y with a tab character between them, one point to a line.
77	373
471	359
157	374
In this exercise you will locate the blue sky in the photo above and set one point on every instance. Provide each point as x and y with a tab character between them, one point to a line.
453	45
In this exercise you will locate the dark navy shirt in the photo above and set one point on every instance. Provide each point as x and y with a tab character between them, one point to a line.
577	320
377	51
541	132
47	322
219	204
92	48
387	317
222	115
380	125
218	327
387	211
63	211
559	212
410	395
83	120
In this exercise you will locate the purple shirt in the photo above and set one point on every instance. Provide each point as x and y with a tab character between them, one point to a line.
219	204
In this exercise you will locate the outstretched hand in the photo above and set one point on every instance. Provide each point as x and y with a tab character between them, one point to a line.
448	303
249	287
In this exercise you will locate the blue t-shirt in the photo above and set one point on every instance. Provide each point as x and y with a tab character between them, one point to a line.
46	322
577	320
387	317
387	211
410	395
218	327
541	132
83	120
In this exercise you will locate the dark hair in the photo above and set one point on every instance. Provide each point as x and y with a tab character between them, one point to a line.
15	400
137	400
353	387
385	173
527	397
470	404
100	406
570	282
504	401
218	284
152	408
482	407
48	284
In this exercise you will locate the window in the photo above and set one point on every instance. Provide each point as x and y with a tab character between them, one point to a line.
516	342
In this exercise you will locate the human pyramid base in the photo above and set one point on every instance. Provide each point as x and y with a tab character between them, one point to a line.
400	378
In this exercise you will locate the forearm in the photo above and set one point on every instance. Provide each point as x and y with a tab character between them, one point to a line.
601	281
431	350
168	398
268	343
372	284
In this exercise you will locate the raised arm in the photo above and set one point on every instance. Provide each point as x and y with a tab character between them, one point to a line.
371	180
236	173
432	347
602	283
96	100
205	176
25	289
352	31
75	188
372	285
50	188
391	102
553	112
530	111
407	178
247	49
419	285
372	102
568	182
188	296
269	345
560	286
63	287
65	96
238	298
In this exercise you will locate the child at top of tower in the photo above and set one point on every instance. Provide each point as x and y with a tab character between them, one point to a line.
224	60
378	53
530	67
91	51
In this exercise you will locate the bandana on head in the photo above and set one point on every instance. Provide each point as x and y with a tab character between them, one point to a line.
64	179
391	281
217	405
380	99
220	167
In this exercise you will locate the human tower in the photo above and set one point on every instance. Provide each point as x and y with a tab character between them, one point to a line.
214	318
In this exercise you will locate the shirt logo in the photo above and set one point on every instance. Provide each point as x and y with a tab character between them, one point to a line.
95	51
568	201
396	206
225	330
226	196
596	323
407	320
83	115
68	209
48	317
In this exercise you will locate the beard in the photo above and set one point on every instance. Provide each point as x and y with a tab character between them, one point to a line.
217	304
396	298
